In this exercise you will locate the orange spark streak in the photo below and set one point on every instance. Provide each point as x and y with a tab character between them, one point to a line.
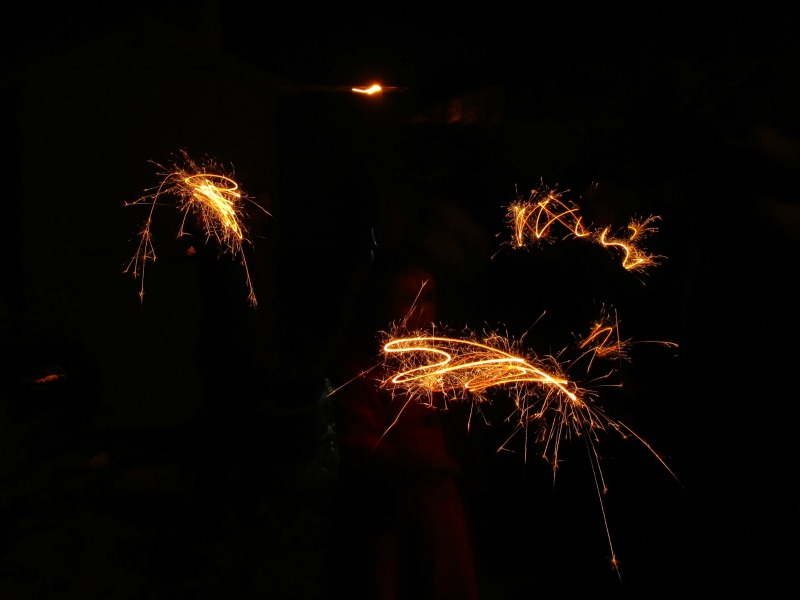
421	365
603	340
373	89
49	378
467	369
463	366
216	202
634	258
542	395
532	220
536	216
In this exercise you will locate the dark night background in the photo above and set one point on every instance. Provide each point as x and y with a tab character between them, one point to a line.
182	448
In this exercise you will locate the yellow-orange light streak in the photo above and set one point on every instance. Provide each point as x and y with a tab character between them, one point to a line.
535	217
216	202
634	258
467	368
369	91
49	378
532	220
374	89
463	366
421	365
603	341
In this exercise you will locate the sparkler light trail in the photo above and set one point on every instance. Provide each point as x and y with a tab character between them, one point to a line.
603	340
532	221
469	368
213	198
545	400
459	368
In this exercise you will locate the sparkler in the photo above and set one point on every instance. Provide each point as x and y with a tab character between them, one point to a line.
468	368
603	340
533	220
545	400
215	200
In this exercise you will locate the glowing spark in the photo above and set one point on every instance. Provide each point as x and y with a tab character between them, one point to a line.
536	216
544	398
532	220
373	89
469	368
429	363
217	204
634	258
370	90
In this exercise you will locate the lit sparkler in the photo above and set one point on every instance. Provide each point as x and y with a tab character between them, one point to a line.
215	200
533	220
469	368
545	400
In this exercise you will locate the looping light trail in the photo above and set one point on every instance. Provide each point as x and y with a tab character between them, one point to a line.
451	365
532	221
215	201
218	194
603	340
545	401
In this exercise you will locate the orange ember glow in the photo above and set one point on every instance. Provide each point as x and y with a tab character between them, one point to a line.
215	201
603	340
373	89
532	221
451	365
548	407
217	195
49	378
469	368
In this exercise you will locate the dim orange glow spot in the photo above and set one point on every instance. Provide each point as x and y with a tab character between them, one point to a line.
49	378
220	199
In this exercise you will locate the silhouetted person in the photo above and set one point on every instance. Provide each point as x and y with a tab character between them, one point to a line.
401	522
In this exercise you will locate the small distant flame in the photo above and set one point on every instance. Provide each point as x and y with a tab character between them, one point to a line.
373	89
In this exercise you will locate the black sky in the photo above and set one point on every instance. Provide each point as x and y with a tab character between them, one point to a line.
444	47
691	111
